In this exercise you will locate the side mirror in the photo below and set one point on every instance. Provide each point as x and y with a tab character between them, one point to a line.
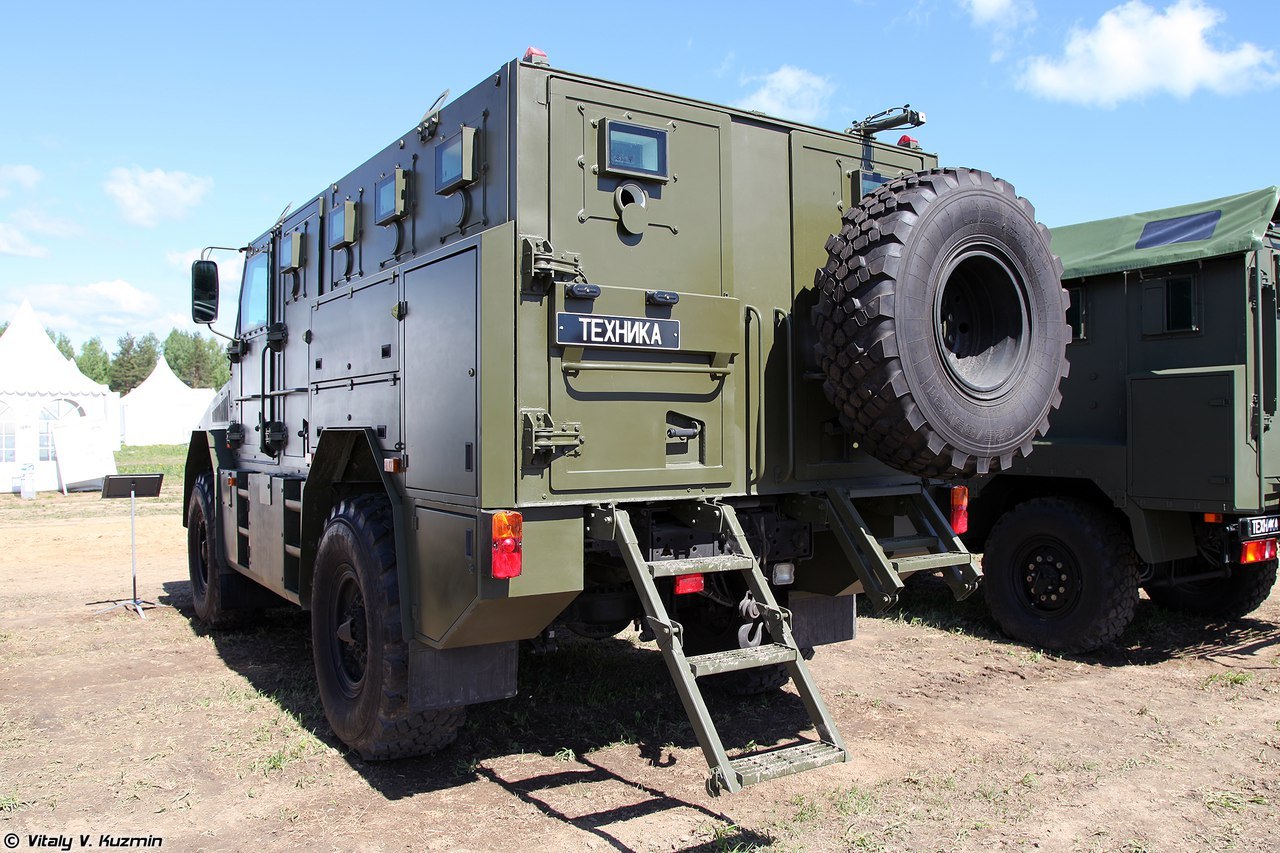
204	292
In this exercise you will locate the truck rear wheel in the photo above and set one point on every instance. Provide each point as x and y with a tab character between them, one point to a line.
941	322
1061	574
361	657
1218	598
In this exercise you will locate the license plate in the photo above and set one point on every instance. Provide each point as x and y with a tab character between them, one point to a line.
603	330
1265	525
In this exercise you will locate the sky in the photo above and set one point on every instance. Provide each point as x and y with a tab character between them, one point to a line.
134	134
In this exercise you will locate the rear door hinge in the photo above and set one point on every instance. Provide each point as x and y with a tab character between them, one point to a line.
542	440
541	264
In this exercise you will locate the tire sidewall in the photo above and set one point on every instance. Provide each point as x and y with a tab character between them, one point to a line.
969	218
206	590
342	550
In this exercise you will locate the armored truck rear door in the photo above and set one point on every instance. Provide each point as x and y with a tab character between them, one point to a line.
641	366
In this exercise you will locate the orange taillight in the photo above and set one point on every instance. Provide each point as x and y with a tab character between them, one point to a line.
508	545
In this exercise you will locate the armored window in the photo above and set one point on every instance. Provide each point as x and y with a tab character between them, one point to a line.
1076	313
1179	229
291	251
456	161
342	225
635	150
50	415
1171	305
389	198
8	435
254	292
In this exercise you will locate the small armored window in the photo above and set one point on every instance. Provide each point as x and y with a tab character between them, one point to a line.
635	150
456	161
342	225
1076	313
389	198
291	251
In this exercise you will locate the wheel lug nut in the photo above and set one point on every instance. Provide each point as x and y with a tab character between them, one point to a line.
1062	589
1063	578
1053	598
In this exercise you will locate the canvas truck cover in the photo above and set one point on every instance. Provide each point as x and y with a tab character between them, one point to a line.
1207	229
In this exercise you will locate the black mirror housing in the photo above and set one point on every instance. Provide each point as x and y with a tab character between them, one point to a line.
204	292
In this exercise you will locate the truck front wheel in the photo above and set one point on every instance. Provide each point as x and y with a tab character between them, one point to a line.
1218	598
206	575
360	653
1061	574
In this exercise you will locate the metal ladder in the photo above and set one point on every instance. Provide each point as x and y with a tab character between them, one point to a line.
727	774
881	563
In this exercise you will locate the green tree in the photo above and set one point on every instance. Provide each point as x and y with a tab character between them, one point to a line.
94	361
197	360
4	326
133	362
63	343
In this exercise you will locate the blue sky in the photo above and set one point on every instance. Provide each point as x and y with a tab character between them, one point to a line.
133	134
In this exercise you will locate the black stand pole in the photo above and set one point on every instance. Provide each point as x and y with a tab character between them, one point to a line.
151	487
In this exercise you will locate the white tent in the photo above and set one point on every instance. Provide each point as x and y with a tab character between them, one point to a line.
50	412
163	409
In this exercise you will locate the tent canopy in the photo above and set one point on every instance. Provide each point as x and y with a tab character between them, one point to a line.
163	409
1189	232
30	363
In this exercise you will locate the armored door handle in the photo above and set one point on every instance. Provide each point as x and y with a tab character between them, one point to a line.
684	432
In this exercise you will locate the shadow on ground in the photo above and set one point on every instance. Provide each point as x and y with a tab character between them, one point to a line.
1155	636
586	696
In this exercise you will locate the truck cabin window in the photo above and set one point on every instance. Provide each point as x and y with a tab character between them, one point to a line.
254	293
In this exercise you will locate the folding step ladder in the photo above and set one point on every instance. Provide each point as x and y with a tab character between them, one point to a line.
727	774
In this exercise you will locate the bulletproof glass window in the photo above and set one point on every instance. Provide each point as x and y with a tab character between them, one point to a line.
631	149
254	292
389	198
1076	313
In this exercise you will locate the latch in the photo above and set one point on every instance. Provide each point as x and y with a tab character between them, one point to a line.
235	350
277	336
274	437
542	440
235	435
540	263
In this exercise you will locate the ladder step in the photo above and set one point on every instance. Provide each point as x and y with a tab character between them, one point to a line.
763	766
910	543
697	565
738	659
925	562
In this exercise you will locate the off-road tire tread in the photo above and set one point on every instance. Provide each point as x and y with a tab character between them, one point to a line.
207	603
1116	573
396	732
855	324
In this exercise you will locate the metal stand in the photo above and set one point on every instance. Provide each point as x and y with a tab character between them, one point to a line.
149	486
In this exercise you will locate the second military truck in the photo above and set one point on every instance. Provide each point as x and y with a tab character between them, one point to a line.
557	357
1161	470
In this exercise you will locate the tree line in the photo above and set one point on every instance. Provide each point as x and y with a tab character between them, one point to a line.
197	360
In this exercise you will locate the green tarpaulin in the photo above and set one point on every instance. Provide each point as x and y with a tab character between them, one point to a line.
1223	226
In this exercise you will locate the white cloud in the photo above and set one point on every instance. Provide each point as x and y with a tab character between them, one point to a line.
14	242
18	175
41	223
1135	50
791	93
145	197
1006	19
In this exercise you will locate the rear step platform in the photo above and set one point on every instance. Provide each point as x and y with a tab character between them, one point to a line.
727	774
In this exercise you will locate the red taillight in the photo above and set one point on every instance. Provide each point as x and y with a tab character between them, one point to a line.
960	509
686	584
1258	551
508	545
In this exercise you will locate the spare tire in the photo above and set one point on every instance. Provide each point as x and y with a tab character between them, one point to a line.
941	323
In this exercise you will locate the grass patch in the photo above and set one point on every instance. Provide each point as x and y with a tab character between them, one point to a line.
1230	678
1232	801
10	803
167	459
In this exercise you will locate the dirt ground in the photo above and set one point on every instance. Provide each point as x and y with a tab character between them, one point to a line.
157	729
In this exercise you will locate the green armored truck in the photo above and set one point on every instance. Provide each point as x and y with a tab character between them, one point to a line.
1161	470
573	354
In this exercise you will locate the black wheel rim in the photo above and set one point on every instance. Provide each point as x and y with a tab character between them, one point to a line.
348	633
200	577
981	324
1046	578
